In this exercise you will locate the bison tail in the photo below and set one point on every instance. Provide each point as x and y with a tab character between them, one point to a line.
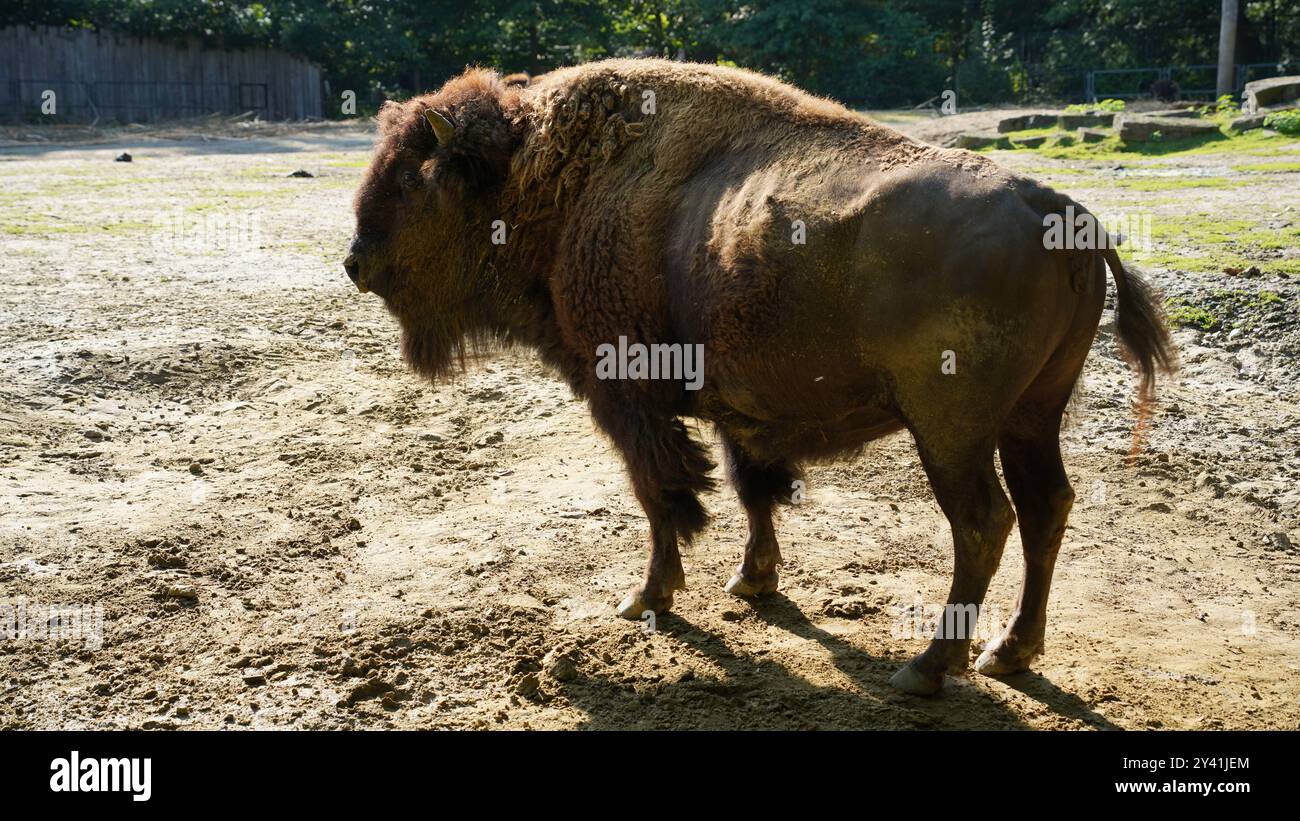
1141	325
1143	335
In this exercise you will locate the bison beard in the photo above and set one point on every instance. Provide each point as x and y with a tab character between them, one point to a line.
845	282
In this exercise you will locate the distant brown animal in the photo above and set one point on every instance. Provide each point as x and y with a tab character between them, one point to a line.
845	282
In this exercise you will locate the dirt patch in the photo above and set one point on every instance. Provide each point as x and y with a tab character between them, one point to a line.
214	442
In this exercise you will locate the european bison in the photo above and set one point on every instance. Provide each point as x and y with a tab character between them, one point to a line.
844	282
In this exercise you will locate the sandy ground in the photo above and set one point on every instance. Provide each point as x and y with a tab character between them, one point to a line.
213	441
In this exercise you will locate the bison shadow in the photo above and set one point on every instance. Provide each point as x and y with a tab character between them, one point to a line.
780	611
755	692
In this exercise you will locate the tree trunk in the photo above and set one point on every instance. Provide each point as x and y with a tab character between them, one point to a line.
1227	49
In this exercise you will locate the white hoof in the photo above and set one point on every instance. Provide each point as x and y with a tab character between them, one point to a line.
991	664
910	680
635	606
632	607
740	586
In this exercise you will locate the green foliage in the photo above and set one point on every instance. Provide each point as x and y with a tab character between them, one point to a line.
1286	122
872	53
1225	108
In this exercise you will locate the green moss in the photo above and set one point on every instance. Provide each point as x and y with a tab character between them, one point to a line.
1112	149
1269	167
1184	315
1224	309
1031	132
1175	183
1104	105
35	225
1204	243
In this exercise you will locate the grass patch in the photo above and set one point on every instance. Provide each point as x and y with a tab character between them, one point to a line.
1224	309
1112	149
1203	243
1269	167
1184	315
1175	183
38	225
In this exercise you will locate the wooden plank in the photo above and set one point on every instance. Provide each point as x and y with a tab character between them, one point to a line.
134	79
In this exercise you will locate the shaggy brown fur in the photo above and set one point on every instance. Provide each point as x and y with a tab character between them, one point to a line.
665	203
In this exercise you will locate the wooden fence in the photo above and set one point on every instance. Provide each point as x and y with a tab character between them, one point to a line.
113	77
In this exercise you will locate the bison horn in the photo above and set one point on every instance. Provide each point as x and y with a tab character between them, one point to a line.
442	127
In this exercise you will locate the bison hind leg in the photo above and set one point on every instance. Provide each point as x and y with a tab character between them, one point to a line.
1035	474
760	486
965	484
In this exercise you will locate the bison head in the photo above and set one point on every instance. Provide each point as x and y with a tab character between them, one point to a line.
425	213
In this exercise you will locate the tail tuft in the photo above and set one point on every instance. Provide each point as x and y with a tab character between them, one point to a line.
1143	335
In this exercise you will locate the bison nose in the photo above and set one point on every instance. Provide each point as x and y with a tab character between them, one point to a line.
353	267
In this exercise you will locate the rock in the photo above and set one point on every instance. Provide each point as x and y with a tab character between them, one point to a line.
180	591
974	140
1038	141
123	157
196	468
527	685
560	665
1280	541
1139	128
302	173
254	678
93	434
1273	91
1250	273
165	561
1247	122
354	525
1159	507
1090	119
1173	112
1023	122
1091	135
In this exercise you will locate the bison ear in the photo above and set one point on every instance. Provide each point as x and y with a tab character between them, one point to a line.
442	127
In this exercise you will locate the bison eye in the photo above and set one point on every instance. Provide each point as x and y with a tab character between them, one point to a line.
410	180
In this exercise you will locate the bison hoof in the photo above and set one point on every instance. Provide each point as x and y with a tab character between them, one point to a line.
913	680
639	602
742	586
1002	658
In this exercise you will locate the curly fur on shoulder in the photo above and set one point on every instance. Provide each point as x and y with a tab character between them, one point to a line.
569	130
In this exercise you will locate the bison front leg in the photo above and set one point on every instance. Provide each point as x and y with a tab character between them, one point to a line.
967	489
759	486
668	469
